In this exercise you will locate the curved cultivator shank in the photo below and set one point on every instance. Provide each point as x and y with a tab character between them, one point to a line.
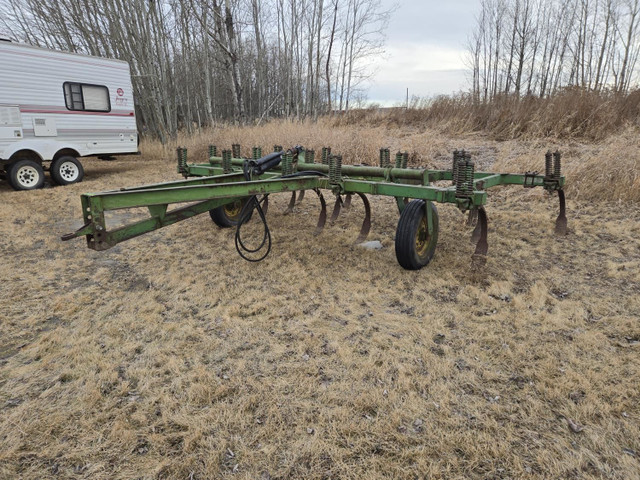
292	203
322	219
336	209
226	181
366	223
482	245
561	221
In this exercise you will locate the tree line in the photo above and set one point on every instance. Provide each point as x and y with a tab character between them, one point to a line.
196	62
535	47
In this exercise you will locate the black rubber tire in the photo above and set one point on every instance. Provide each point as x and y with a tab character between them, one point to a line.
413	253
227	216
26	175
66	170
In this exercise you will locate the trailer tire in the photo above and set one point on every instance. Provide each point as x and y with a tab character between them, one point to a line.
26	175
227	216
414	246
66	170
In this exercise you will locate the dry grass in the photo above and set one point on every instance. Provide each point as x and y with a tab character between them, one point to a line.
571	113
606	170
170	357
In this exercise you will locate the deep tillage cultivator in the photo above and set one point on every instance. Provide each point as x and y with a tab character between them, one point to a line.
233	189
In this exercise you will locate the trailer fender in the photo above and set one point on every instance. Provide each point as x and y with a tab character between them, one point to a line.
45	150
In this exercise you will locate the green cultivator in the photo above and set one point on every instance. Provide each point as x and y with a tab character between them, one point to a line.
233	189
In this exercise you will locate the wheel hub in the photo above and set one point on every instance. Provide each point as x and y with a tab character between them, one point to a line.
422	237
69	171
28	176
232	210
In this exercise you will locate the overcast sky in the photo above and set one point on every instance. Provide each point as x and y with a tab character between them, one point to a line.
424	50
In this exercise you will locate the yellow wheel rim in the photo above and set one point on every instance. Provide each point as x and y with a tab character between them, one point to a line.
232	210
422	237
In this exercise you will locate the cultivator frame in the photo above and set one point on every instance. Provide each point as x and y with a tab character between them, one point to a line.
228	186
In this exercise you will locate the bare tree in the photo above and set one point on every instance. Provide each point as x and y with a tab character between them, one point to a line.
593	44
196	62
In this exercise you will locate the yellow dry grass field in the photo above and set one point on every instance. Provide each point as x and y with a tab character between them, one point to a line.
170	357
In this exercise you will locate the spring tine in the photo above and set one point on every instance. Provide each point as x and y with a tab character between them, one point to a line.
322	219
366	224
482	246
475	235
300	197
561	221
265	204
336	209
292	202
472	219
347	202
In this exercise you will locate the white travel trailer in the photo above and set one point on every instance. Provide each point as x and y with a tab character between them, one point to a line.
56	107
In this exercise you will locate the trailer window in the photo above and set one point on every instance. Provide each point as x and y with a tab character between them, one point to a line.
86	97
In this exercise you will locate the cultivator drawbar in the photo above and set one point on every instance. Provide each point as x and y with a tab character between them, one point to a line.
233	189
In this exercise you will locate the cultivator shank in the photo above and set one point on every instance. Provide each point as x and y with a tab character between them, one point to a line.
232	188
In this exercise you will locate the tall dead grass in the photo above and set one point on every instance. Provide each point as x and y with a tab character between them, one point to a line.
358	143
595	171
602	170
571	113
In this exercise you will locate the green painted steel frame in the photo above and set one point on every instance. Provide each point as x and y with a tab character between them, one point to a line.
212	188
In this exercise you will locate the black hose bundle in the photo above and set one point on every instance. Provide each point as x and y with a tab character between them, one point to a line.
257	167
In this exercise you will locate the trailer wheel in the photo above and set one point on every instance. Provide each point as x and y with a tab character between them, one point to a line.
26	175
228	215
414	246
66	170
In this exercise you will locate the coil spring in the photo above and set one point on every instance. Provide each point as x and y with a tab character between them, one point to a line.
464	180
458	155
548	165
326	152
385	158
256	153
277	148
335	169
179	157
399	160
557	165
405	159
226	161
182	160
213	152
310	156
287	161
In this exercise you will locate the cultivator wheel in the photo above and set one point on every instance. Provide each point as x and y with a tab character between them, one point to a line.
415	246
227	216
